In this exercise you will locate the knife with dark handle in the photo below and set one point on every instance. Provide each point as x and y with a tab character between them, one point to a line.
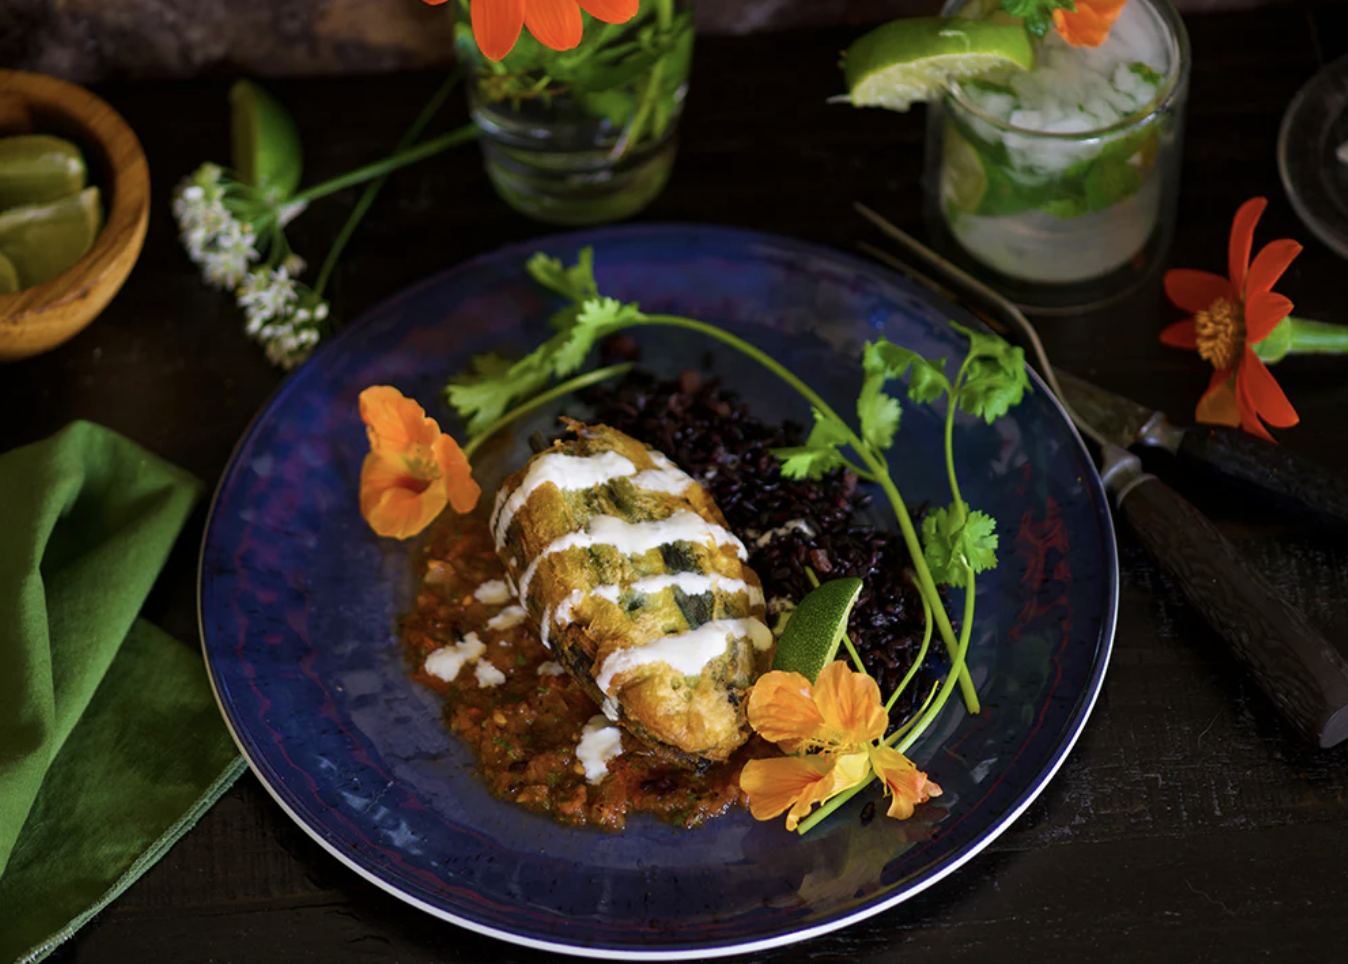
1302	674
1292	481
1295	482
1292	662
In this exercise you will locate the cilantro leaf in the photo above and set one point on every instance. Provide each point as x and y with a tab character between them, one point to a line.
1037	14
595	320
482	395
575	283
994	376
819	455
928	381
879	413
952	547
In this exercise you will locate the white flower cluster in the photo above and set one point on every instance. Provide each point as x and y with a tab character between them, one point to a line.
283	314
217	241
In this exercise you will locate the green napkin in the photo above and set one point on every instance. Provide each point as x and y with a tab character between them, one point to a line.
111	745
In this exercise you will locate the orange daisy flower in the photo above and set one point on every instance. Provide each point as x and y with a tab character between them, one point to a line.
554	23
1089	24
1231	315
833	729
413	470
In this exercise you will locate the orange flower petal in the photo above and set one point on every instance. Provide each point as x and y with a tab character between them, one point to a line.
1258	390
496	26
1191	290
850	704
554	23
908	786
457	473
395	502
393	421
611	11
1269	265
1218	405
1263	311
1089	24
1242	239
782	709
779	783
1182	334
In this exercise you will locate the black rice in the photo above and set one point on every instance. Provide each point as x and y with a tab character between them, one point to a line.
710	434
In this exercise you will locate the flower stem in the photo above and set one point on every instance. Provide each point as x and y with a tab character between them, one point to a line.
1302	336
917	661
393	162
556	391
366	200
876	465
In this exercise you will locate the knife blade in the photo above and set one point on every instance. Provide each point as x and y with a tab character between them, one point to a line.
1291	481
1299	671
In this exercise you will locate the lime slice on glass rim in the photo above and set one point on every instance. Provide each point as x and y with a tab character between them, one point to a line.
42	240
264	144
816	627
9	278
908	61
38	168
964	182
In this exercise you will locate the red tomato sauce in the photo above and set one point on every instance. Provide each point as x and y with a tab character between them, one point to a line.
524	731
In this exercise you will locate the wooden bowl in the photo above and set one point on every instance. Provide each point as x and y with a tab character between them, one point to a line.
41	317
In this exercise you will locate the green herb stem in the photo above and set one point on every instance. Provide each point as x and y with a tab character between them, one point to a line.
424	150
950	439
876	465
366	200
557	391
918	660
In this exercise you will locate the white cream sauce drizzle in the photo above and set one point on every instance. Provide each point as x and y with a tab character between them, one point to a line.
568	472
634	538
685	653
690	583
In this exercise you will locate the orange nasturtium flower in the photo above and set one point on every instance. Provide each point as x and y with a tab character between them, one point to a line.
1089	24
554	23
413	470
1231	315
832	729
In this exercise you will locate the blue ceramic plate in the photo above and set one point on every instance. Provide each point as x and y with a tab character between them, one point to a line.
299	603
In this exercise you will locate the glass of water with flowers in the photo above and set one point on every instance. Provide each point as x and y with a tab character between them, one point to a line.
578	101
1053	137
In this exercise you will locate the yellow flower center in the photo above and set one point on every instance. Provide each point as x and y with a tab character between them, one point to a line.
1220	332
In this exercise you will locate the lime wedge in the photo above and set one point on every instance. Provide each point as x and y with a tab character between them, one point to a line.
37	168
42	240
812	636
963	180
9	278
907	61
263	140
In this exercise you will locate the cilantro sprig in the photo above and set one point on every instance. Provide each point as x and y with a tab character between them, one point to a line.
956	542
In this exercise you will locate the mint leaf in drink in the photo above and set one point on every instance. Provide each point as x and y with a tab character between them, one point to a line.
1037	14
1148	75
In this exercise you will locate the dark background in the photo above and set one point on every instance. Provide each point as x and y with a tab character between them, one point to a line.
1188	825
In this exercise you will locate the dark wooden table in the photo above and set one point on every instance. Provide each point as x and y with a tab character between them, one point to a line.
1189	824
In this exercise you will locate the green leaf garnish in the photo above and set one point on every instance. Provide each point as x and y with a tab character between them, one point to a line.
1037	14
819	455
956	543
993	376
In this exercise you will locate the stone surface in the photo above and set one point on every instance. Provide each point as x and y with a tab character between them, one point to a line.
92	40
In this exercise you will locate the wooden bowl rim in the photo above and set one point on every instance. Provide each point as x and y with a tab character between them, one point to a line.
126	219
